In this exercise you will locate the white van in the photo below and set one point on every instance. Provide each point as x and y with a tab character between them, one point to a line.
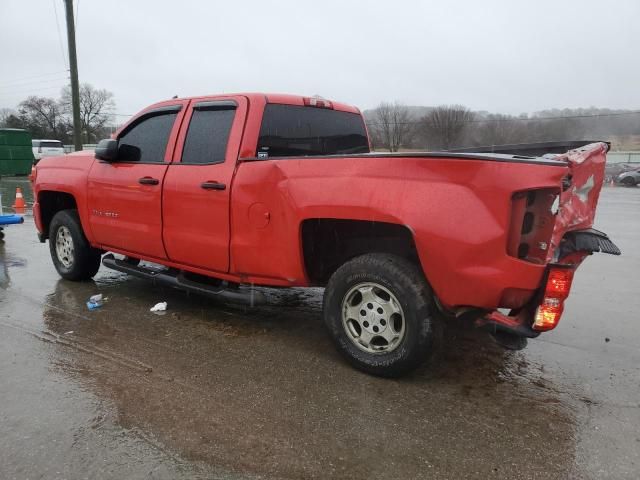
46	148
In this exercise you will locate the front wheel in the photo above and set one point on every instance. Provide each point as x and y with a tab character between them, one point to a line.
72	255
379	310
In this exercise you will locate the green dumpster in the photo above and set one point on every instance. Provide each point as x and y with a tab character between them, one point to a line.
16	155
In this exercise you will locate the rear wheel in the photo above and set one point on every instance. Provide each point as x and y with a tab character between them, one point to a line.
379	311
629	181
72	255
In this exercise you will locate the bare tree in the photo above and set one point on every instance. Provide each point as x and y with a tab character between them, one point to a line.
445	125
96	109
391	126
5	116
498	129
43	117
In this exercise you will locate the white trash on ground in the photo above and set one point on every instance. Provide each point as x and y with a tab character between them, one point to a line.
159	307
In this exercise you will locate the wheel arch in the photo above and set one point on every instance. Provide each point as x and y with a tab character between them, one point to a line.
52	202
327	243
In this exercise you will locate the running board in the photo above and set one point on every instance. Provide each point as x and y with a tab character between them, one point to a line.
176	278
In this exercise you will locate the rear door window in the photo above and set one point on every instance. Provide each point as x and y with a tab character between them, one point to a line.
208	133
291	130
146	141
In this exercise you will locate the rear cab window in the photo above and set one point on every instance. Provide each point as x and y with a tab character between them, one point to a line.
294	131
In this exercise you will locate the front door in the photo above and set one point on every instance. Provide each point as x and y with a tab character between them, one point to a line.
197	186
125	196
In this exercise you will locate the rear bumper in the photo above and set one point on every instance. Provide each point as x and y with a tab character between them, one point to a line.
574	248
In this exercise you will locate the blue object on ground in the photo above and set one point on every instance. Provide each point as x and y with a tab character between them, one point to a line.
95	301
93	305
10	219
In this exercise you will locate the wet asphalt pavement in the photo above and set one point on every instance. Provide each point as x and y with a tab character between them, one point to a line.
213	390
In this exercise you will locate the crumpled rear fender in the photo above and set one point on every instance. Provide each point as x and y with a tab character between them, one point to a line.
577	203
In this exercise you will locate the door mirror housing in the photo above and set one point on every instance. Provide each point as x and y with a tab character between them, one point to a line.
107	150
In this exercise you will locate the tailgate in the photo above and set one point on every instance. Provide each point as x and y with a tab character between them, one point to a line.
579	197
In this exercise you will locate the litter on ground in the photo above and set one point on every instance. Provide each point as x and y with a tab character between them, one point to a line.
95	301
159	307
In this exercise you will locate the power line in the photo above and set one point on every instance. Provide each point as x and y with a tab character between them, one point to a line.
36	89
34	83
20	79
524	119
55	11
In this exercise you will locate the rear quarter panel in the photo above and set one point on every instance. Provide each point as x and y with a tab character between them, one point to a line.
457	209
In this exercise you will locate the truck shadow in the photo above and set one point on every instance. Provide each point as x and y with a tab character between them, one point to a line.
262	390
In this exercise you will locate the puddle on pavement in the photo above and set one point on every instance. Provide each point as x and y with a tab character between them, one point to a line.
261	390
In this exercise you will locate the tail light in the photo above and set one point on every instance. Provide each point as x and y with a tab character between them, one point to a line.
556	292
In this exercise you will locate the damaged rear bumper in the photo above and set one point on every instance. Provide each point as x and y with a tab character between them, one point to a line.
574	247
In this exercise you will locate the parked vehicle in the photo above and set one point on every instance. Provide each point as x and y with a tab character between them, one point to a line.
630	178
231	191
46	148
613	170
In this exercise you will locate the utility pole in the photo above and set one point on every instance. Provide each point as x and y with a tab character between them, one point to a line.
73	67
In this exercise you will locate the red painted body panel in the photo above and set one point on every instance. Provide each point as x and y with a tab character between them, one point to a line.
122	212
196	221
459	210
66	174
578	203
114	190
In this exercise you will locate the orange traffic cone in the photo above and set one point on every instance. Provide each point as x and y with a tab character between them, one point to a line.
19	205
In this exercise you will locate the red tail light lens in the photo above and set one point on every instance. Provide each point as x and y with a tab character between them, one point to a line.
555	293
559	283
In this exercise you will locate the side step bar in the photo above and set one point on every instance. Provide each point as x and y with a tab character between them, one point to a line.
175	278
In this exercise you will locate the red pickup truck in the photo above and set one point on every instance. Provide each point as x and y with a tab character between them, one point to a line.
222	193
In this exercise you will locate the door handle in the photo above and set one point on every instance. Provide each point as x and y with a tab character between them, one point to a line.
213	185
148	181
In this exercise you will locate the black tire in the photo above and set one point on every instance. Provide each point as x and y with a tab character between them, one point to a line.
409	286
83	262
629	182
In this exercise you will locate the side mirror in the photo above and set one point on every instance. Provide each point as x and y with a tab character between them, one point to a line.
107	150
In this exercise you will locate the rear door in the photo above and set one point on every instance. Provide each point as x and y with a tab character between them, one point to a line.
197	185
125	196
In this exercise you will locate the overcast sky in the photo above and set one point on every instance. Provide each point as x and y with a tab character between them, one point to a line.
501	56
